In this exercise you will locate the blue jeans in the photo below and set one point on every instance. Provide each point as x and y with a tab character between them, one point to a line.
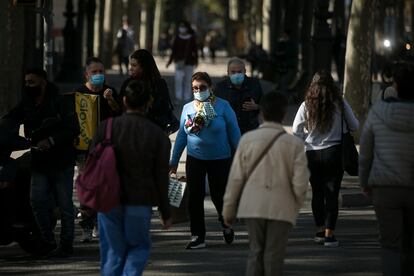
48	189
125	242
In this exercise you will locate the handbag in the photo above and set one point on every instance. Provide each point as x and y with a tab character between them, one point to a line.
98	185
168	122
349	152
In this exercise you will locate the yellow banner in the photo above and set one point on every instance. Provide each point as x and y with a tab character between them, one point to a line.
87	108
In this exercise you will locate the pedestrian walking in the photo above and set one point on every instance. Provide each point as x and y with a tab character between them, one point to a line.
109	106
142	153
267	186
243	94
143	68
319	122
208	128
51	124
124	47
185	58
386	171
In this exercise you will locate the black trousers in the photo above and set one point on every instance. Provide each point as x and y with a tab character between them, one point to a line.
326	176
217	172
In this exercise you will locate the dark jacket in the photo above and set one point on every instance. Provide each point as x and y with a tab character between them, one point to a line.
250	89
55	119
143	153
184	50
161	104
105	110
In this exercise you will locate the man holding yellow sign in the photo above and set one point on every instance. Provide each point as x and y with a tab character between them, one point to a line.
94	101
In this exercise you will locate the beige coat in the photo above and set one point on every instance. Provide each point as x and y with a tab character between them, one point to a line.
277	187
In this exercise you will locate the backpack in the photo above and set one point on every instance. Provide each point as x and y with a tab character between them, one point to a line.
98	184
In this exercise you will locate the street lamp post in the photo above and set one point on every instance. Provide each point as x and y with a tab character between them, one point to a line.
70	69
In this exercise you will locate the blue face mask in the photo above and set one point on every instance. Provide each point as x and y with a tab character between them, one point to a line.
202	95
97	79
237	79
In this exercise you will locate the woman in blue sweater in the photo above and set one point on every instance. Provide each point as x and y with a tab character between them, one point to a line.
209	130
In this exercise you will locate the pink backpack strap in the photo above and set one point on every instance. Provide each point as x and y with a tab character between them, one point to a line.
108	129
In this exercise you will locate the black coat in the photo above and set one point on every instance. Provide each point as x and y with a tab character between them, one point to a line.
104	109
250	89
54	119
161	104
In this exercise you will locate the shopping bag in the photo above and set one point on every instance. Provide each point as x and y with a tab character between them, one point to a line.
178	196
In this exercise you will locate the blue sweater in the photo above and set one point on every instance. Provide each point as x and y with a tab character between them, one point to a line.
216	141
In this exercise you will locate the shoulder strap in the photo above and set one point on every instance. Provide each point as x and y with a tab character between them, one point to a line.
262	154
108	129
343	119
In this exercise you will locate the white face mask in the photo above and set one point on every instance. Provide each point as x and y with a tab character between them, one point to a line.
202	95
182	30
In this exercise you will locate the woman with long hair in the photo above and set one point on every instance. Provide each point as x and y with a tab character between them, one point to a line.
142	67
320	121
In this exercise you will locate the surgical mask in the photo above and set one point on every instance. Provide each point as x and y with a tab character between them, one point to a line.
33	91
97	79
237	79
202	95
182	30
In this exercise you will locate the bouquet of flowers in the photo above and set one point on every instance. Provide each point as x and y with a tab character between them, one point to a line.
202	118
195	124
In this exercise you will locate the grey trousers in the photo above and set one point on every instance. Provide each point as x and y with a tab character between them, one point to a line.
267	240
394	207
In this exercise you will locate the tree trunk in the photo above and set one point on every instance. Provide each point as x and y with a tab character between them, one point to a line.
80	35
292	19
257	13
11	59
306	36
134	16
98	49
357	83
321	38
158	23
90	20
339	38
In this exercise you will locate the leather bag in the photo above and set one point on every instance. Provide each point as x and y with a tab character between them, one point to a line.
349	152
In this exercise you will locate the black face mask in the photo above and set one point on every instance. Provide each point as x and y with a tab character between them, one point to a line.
33	91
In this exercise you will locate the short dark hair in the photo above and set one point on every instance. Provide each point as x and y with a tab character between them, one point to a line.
91	60
273	106
403	77
137	94
202	76
37	71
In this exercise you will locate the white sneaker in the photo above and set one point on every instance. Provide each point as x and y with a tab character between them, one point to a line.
95	232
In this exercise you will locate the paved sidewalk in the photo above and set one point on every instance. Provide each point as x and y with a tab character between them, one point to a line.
357	255
356	230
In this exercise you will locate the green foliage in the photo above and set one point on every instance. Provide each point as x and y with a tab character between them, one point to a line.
213	6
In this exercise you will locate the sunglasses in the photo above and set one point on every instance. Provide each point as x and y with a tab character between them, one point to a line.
199	88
